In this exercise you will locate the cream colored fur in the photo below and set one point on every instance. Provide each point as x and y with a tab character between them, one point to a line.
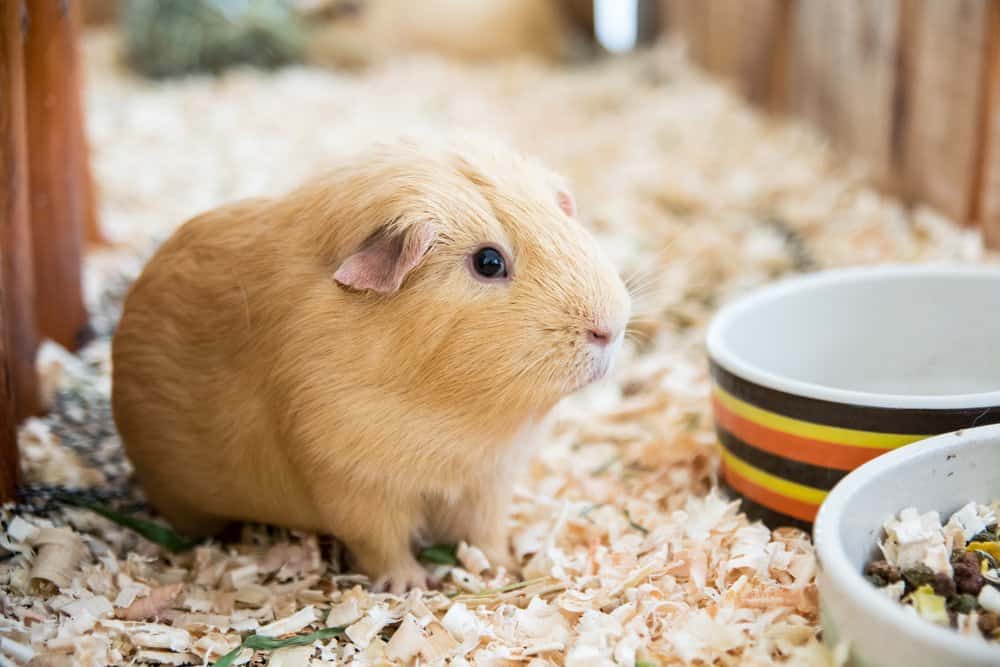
249	385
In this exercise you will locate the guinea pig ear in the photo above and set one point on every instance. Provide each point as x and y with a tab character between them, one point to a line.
384	261
566	202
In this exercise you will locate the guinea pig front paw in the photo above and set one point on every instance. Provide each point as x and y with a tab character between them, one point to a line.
403	577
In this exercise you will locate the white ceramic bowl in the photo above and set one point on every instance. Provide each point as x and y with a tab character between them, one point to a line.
818	374
941	473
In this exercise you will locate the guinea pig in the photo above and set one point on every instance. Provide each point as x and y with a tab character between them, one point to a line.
367	356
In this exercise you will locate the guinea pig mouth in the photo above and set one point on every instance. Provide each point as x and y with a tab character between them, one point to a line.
599	367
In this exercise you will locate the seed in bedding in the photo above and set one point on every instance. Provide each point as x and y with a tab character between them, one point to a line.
883	570
968	575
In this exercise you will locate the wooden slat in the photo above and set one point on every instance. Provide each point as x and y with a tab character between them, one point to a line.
744	41
87	192
843	75
940	139
100	12
15	240
58	214
9	461
690	22
13	209
988	186
747	41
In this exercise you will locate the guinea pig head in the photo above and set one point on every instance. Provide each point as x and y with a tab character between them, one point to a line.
493	298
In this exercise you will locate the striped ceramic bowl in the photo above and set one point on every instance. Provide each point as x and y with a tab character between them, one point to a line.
815	375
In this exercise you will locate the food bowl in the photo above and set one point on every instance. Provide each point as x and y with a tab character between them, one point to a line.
816	375
942	473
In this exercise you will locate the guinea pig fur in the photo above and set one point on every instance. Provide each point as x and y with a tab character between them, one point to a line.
367	356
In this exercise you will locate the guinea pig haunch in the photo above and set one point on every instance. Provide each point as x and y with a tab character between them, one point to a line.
368	356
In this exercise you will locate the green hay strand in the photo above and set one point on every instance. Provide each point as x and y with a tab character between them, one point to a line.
262	643
441	554
152	531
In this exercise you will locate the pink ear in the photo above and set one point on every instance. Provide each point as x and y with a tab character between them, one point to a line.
383	263
566	203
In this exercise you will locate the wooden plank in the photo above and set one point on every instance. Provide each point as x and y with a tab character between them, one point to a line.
15	234
99	13
87	192
988	185
688	21
940	138
745	42
13	208
58	214
10	464
843	74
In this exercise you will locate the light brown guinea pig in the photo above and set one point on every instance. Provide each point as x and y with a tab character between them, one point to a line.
367	356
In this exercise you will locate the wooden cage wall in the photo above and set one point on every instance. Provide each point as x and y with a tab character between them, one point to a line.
911	86
46	202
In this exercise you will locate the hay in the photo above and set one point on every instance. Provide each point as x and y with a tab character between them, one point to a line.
630	556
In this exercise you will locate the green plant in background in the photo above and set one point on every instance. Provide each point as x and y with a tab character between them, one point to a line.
166	38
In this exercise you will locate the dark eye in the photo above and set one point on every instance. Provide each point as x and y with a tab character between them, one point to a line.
489	263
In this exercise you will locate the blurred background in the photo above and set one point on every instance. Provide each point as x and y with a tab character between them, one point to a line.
907	86
713	146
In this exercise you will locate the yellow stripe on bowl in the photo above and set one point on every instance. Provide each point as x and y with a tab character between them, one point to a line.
804	429
806	494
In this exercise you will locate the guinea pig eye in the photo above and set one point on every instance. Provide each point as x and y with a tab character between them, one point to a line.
489	263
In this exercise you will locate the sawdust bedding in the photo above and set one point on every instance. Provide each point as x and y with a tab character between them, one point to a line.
631	555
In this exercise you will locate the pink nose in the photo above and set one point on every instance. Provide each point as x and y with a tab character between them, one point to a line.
600	336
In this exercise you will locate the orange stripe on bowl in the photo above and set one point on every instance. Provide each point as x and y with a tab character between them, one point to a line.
797	448
788	506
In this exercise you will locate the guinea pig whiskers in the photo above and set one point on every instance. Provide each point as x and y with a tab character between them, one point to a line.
638	337
649	292
650	266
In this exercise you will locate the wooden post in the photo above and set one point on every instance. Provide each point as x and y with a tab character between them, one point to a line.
58	207
10	465
15	235
843	75
988	180
745	41
17	346
940	151
87	192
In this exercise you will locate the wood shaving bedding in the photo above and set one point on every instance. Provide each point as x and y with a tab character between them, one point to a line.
631	557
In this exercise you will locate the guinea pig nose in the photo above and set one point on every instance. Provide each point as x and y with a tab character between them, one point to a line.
600	336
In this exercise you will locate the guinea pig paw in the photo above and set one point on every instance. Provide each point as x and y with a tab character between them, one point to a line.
402	578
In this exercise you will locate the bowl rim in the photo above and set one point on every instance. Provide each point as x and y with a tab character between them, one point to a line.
722	354
835	564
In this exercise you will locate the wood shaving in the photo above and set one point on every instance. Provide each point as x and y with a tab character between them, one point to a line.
153	604
629	553
60	551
